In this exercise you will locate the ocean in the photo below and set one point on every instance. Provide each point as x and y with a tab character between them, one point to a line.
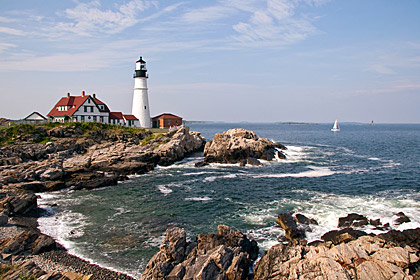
370	170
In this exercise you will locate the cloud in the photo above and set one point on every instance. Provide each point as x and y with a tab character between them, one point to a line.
6	19
381	69
396	88
276	23
11	31
207	14
5	46
88	18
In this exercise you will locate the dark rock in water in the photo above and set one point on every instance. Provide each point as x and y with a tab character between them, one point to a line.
253	161
302	219
352	220
225	255
402	218
280	155
286	222
375	223
200	164
342	236
237	145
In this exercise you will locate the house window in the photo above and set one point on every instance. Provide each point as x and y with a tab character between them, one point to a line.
89	101
85	107
94	118
91	108
101	119
82	118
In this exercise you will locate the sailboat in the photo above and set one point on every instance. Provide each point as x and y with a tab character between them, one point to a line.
335	127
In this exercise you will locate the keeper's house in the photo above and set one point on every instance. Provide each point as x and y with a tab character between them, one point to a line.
88	108
166	120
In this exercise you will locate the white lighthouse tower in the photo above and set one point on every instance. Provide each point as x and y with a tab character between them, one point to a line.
140	107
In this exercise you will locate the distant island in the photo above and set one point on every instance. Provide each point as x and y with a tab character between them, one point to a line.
300	123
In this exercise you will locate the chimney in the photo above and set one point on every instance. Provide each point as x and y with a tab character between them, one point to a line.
94	95
68	94
83	93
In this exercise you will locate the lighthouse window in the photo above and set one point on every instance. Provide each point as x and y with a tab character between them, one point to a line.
144	107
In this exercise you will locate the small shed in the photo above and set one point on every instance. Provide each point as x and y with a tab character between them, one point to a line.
35	118
166	120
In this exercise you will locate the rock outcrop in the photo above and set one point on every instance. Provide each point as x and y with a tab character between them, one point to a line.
241	146
96	160
225	255
368	257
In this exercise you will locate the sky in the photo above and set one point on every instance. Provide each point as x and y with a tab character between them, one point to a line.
221	60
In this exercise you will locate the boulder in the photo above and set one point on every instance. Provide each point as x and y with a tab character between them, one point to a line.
352	220
225	255
342	236
200	164
288	224
253	161
237	145
302	219
402	218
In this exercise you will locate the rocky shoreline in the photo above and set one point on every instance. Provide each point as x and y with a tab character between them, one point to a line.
74	157
77	157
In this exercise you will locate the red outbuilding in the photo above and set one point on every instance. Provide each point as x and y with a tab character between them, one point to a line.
166	120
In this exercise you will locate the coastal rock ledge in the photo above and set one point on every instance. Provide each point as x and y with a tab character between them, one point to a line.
242	146
368	257
225	255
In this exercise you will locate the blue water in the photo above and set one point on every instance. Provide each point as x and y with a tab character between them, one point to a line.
371	170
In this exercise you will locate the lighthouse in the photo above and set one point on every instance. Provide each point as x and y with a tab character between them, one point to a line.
140	107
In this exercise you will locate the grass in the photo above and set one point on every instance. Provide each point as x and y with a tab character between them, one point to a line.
38	133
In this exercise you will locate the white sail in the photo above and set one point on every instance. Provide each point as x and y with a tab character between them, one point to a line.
335	127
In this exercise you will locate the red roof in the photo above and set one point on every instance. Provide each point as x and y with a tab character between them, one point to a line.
130	117
167	116
116	115
74	102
